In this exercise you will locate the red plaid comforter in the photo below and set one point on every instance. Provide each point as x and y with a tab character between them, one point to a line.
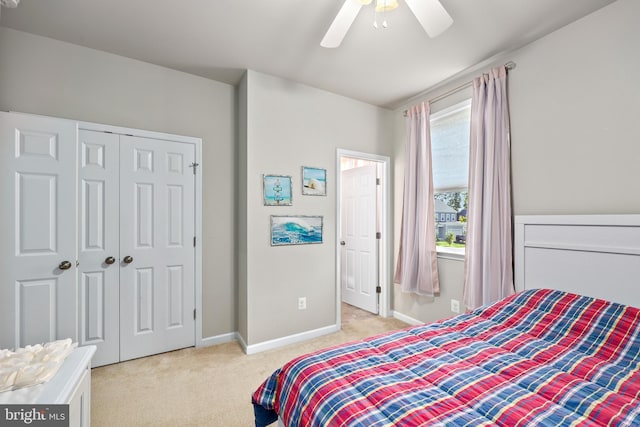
538	358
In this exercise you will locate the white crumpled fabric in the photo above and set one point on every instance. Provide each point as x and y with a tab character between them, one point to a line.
33	364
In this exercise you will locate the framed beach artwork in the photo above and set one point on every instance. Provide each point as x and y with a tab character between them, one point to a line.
295	230
314	181
276	190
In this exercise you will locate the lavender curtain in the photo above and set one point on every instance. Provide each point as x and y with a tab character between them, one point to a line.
488	262
417	267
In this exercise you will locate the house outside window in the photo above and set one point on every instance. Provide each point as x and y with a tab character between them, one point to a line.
450	129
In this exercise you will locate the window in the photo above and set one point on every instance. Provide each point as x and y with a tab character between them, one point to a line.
450	128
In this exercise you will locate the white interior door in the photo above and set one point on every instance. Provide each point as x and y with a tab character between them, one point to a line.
38	292
359	257
98	244
156	246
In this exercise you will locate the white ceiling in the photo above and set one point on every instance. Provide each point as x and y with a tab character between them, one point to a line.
219	39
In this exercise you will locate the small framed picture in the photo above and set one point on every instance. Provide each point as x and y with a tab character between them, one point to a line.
276	190
314	181
295	230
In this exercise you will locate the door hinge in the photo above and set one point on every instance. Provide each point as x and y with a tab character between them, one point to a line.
378	289
194	241
194	314
378	235
378	181
194	165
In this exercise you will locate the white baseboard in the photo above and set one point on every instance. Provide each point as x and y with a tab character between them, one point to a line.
406	319
218	339
291	339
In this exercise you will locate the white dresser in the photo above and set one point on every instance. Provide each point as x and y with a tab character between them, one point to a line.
71	385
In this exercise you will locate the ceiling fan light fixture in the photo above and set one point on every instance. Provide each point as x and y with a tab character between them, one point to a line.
430	13
386	5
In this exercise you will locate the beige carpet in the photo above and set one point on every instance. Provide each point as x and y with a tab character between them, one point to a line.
210	386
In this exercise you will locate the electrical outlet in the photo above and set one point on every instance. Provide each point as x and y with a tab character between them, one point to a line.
302	303
455	306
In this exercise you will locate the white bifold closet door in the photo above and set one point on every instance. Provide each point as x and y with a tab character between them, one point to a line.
137	254
157	218
38	291
99	244
97	239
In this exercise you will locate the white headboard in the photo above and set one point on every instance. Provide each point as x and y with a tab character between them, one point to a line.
593	255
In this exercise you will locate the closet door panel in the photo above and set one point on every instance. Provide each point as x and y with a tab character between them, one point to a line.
98	241
156	230
38	229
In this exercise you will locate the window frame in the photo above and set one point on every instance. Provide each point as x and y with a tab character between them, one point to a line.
458	104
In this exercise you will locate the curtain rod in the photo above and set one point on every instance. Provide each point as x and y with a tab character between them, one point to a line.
510	65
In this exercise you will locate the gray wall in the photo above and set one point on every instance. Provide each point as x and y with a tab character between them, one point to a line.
43	76
290	125
574	103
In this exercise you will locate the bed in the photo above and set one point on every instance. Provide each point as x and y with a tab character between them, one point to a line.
540	357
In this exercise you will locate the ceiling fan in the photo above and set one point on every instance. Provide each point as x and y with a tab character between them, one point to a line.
430	13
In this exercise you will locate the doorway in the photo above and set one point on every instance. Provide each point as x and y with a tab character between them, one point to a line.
362	232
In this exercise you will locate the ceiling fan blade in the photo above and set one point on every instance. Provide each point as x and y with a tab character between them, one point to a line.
432	16
341	24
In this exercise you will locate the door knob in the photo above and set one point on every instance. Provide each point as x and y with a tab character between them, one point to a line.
128	259
64	265
109	260
342	243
